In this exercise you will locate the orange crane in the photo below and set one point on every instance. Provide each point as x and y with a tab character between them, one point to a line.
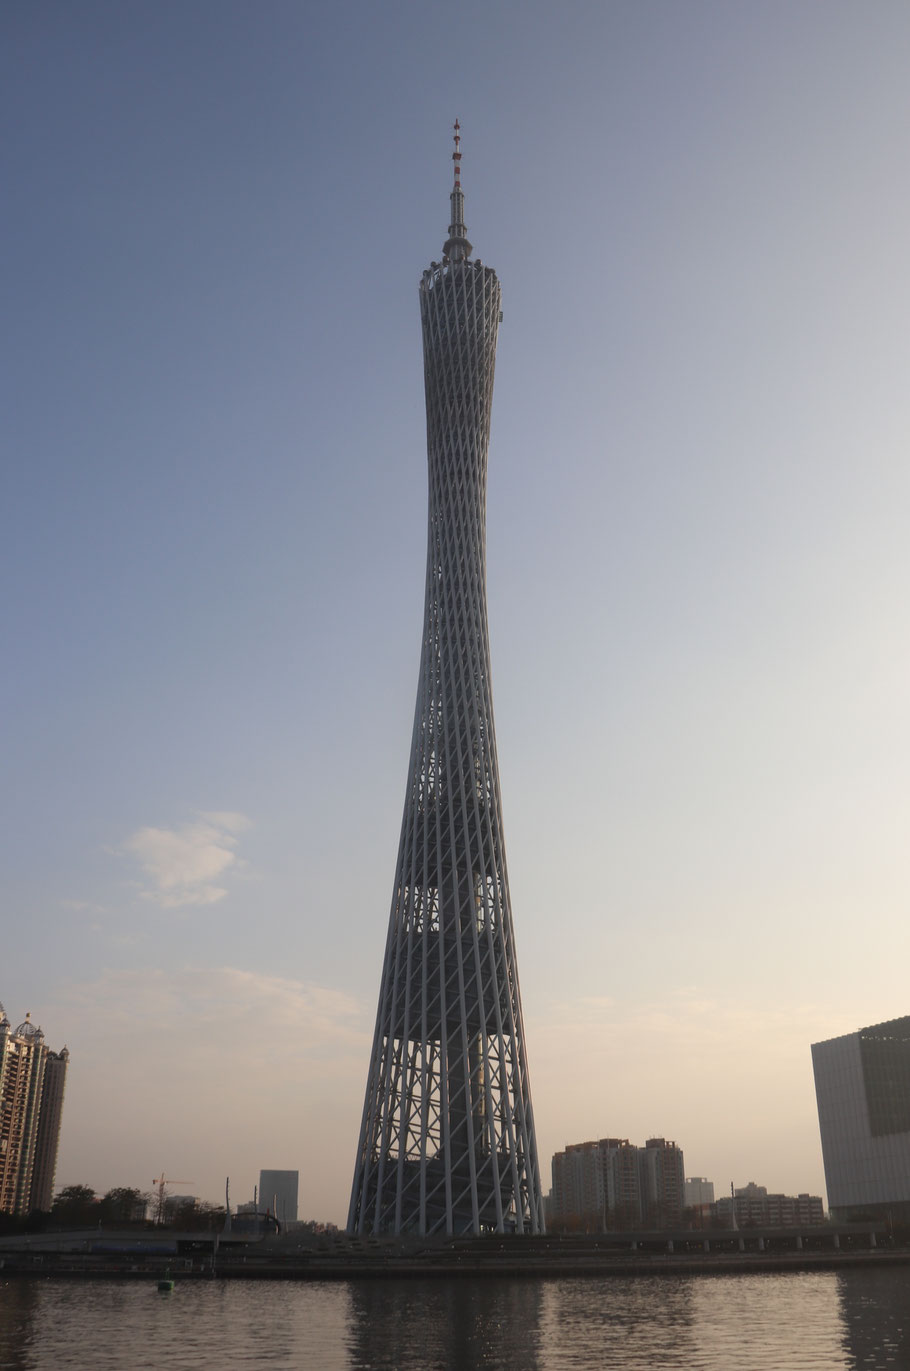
161	1181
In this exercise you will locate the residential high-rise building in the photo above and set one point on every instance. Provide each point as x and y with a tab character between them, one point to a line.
598	1183
579	1177
31	1102
278	1194
663	1183
447	1141
48	1139
612	1184
862	1087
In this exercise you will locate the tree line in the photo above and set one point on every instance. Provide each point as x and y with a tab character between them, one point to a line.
78	1206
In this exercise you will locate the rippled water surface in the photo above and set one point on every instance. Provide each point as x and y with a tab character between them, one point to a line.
822	1322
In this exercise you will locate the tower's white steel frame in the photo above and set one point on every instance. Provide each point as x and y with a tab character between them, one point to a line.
447	1141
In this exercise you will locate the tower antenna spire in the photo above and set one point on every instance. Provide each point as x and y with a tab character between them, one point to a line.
457	248
456	155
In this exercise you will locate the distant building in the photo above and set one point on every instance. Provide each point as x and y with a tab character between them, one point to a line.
699	1191
862	1087
278	1194
176	1205
612	1184
753	1207
663	1183
49	1119
578	1180
31	1104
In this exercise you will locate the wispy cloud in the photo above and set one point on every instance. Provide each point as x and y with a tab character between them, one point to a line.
689	1022
209	1072
188	865
194	1005
82	907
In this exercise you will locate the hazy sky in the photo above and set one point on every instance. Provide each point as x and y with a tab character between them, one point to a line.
214	537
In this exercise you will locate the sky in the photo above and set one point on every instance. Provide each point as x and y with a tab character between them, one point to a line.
213	542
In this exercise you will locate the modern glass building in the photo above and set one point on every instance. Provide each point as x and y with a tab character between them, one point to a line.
278	1194
447	1140
862	1085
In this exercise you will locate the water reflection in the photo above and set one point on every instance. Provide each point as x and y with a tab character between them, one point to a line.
18	1303
60	1325
752	1323
762	1322
850	1321
618	1323
445	1325
875	1307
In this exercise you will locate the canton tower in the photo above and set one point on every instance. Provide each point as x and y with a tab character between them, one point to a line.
447	1141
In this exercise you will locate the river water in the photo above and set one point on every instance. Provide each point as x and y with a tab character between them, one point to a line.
807	1322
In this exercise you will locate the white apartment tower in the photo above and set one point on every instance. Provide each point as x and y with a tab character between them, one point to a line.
32	1078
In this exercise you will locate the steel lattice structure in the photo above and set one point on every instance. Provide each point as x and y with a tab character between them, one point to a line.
447	1141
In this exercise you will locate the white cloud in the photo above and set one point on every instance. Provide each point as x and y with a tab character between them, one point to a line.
188	865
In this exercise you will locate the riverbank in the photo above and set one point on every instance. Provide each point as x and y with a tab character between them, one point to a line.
204	1257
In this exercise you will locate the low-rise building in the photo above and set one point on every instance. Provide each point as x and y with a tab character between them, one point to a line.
752	1207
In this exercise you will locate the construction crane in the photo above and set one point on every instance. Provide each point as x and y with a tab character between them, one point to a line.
161	1181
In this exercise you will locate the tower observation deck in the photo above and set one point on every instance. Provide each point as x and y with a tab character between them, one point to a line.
447	1141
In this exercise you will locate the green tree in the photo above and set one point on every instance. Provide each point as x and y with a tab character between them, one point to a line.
75	1204
123	1205
199	1217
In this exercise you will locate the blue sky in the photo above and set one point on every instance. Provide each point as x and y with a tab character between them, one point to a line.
214	535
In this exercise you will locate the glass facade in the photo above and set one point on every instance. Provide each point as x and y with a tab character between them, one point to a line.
885	1054
862	1086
